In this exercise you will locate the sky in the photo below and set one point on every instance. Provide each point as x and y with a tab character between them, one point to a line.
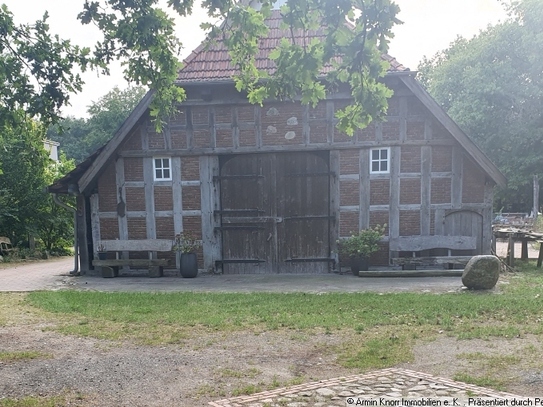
428	27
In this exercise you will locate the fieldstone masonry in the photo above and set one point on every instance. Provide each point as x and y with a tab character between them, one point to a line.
387	383
481	273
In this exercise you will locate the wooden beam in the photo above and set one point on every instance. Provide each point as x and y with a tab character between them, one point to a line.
258	127
403	118
81	215
120	192
148	177
210	202
457	177
160	245
177	195
349	145
487	219
394	202
364	192
425	193
235	128
212	128
330	121
431	261
306	129
420	243
334	205
95	219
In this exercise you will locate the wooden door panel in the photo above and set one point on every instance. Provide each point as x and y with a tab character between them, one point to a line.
245	227
303	181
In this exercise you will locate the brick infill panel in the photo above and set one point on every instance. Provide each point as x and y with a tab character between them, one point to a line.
391	373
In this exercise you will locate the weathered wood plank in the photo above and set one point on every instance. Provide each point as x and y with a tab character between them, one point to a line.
144	263
167	134
212	127
457	174
364	196
148	178
379	132
306	129
394	211
190	130
334	205
83	247
210	202
258	127
177	195
330	121
403	118
158	245
419	243
487	219
235	128
428	129
121	198
425	198
95	219
348	145
430	261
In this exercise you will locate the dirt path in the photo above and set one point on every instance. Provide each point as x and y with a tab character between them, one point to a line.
103	373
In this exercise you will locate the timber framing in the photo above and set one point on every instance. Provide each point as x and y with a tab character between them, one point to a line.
471	148
141	109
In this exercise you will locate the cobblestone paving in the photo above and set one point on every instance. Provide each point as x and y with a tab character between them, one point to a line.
387	383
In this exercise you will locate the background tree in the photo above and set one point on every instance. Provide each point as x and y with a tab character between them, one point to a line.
492	86
27	170
79	138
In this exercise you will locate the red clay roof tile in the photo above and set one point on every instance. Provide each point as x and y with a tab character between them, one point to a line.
210	61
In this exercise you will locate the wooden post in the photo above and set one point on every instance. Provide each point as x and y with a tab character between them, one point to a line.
524	252
210	202
536	197
511	250
540	257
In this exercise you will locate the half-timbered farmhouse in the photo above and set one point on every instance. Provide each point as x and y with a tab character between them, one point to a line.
270	189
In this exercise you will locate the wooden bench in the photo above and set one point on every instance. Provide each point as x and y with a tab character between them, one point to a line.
417	244
110	267
6	247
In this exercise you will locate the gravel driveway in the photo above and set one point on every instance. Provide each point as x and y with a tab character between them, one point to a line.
35	275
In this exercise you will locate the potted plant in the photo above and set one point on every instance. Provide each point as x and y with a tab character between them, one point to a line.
186	245
101	250
360	246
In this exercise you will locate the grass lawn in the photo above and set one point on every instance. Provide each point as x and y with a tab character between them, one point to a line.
390	322
377	330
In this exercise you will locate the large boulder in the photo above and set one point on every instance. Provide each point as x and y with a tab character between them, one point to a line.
481	273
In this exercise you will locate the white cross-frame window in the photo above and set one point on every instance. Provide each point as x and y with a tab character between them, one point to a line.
162	168
380	160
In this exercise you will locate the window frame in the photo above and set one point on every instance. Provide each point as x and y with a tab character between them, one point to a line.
162	168
380	160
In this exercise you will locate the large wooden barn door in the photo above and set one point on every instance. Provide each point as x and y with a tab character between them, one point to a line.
275	213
